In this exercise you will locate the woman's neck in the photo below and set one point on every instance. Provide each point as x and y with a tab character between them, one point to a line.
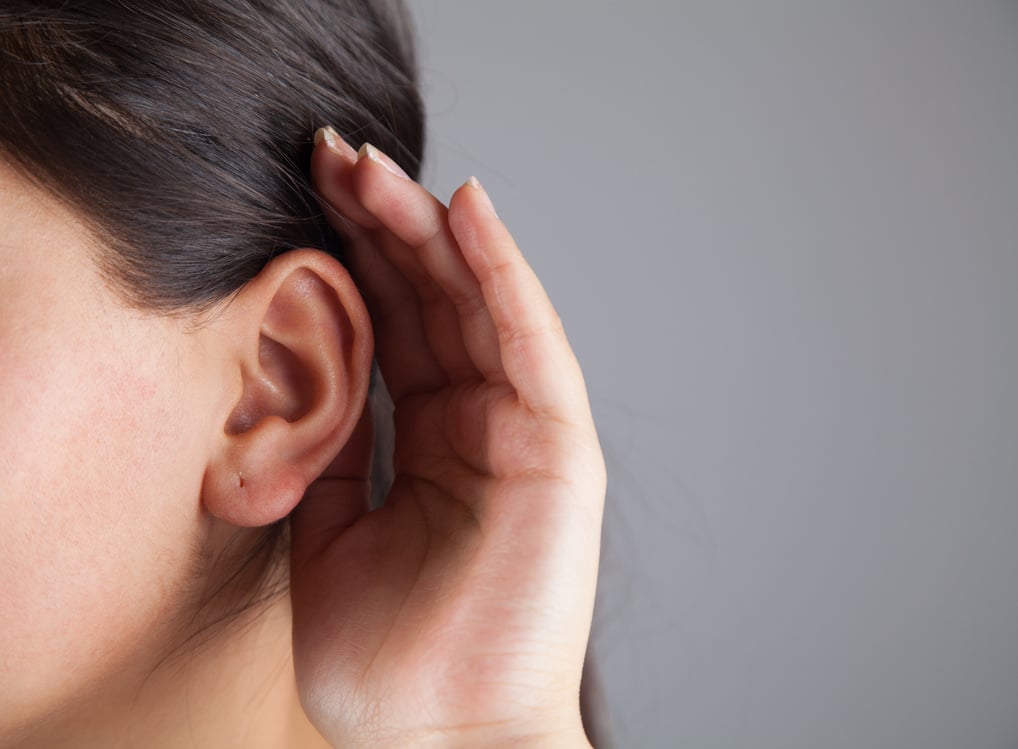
235	690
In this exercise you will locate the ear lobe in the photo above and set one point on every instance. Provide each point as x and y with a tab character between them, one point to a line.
303	348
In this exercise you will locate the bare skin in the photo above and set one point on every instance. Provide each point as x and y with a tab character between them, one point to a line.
113	418
458	614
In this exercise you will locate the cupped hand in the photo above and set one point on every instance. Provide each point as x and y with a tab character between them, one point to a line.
458	613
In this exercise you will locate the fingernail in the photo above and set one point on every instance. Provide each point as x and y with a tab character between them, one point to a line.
485	198
334	142
370	152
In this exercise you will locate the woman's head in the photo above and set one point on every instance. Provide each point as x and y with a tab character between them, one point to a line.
178	357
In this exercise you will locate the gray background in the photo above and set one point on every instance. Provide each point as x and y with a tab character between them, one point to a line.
784	240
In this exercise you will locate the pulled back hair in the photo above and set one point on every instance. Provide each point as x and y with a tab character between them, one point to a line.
181	130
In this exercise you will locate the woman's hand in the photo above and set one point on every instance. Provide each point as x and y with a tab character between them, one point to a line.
457	614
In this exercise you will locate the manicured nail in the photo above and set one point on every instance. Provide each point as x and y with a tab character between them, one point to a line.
370	152
485	198
334	143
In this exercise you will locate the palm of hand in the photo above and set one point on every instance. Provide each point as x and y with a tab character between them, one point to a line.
461	607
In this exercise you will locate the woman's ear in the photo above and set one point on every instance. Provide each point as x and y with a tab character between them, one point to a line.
299	338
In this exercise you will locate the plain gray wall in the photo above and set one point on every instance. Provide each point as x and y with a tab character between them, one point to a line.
783	237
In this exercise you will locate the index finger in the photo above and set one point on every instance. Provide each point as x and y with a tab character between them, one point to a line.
536	356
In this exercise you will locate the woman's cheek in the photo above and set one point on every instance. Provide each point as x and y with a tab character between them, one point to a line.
98	506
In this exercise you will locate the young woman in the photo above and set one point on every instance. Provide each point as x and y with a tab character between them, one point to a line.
193	294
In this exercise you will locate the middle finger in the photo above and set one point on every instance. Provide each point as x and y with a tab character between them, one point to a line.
418	222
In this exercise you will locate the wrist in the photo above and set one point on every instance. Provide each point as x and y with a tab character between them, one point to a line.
566	738
571	739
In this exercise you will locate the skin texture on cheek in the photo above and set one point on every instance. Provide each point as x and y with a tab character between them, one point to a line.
101	463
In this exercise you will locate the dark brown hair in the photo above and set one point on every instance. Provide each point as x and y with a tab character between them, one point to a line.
181	130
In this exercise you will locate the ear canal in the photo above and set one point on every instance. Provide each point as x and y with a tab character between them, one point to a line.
282	387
